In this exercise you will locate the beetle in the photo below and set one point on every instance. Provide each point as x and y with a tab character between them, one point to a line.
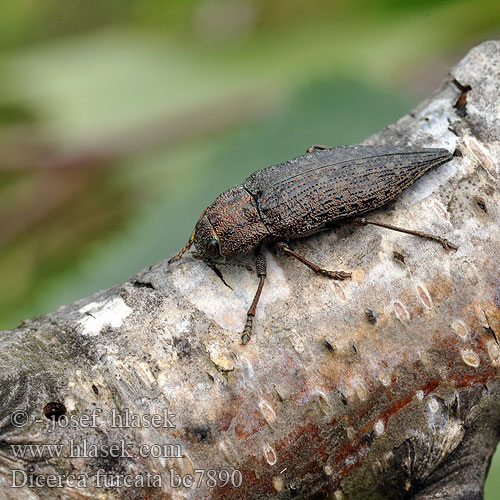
303	196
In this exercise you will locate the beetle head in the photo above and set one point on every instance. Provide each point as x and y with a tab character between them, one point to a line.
229	227
206	241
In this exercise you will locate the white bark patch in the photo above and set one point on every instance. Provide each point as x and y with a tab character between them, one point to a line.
494	352
424	296
470	358
268	412
460	329
379	427
99	314
270	455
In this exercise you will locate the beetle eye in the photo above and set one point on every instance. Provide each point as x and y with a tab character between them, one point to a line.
213	248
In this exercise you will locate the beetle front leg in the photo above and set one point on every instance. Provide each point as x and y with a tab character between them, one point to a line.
261	268
335	275
447	245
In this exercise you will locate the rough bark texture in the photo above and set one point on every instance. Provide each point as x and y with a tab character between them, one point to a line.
328	400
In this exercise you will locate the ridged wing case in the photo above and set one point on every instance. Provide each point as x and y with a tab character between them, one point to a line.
301	196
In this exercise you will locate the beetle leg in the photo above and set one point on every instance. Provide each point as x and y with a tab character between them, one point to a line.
447	245
336	275
317	147
218	273
261	268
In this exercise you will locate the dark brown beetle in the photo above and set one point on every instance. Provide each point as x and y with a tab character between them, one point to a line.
306	195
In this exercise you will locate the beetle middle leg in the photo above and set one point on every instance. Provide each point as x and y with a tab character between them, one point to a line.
336	275
447	245
261	268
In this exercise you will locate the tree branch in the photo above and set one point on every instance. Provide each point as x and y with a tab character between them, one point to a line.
385	386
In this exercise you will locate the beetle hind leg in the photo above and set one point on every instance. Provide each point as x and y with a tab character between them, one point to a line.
447	245
335	275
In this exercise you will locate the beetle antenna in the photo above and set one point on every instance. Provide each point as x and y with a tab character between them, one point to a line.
183	251
188	244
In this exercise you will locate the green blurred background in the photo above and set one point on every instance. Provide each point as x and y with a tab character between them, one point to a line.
121	120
